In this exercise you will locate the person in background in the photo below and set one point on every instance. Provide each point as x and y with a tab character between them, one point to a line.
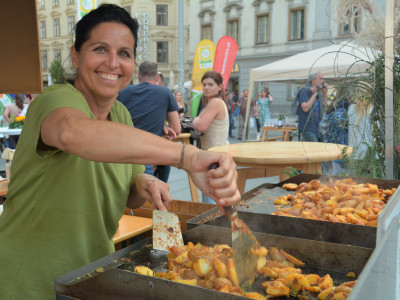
242	103
334	128
231	106
150	105
263	107
79	161
213	121
179	100
28	99
10	112
256	115
311	106
14	109
160	79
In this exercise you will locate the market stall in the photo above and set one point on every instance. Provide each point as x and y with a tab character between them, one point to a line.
325	247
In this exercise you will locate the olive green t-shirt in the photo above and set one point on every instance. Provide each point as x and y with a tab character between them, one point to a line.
62	211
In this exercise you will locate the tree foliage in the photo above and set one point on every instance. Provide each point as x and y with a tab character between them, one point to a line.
57	72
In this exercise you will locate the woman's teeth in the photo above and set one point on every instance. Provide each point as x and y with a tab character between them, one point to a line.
108	76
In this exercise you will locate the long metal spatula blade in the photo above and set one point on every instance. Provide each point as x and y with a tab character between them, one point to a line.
244	244
166	230
245	260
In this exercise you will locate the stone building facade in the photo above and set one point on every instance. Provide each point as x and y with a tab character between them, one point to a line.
157	42
267	31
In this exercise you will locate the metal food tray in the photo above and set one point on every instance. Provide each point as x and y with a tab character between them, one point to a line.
111	276
258	208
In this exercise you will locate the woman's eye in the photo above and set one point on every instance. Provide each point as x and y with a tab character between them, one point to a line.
99	49
125	54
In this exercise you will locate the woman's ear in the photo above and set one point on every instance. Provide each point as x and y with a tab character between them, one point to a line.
74	57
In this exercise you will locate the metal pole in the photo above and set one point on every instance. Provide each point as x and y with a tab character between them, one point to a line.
389	144
181	55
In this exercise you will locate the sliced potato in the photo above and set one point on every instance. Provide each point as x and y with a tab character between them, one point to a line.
144	271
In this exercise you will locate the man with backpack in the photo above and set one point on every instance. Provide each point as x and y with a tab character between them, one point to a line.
310	106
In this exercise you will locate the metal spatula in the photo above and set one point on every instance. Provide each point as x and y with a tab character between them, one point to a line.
166	230
243	242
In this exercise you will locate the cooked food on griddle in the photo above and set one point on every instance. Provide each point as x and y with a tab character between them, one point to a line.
340	201
290	186
213	268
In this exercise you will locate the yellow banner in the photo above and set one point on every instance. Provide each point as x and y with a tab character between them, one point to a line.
203	61
85	6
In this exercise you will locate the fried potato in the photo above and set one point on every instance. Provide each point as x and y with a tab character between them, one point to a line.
325	282
182	258
290	186
276	255
261	261
260	251
187	281
313	279
144	271
277	289
202	267
221	282
232	275
351	275
268	272
224	289
324	294
292	259
254	295
220	267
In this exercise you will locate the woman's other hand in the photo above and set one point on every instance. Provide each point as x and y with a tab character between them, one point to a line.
146	187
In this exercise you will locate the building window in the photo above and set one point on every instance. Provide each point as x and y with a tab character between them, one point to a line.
262	29
70	2
56	27
233	29
296	24
352	23
57	55
43	55
206	32
42	29
55	3
41	5
162	15
162	52
71	24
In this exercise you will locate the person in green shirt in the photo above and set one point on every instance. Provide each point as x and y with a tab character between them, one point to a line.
78	164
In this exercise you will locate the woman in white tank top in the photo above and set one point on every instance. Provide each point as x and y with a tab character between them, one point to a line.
213	121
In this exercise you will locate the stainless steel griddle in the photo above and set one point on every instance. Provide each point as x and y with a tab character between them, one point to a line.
112	278
258	207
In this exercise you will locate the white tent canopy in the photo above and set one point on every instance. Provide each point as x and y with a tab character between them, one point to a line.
338	60
334	62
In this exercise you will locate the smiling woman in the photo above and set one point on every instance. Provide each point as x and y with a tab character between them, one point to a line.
78	164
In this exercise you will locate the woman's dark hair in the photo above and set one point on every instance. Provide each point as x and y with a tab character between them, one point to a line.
104	13
19	101
266	91
216	76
